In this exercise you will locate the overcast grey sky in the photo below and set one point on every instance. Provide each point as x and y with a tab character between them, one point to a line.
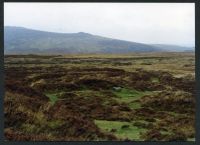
168	23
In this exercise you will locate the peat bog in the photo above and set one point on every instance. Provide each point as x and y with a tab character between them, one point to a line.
135	97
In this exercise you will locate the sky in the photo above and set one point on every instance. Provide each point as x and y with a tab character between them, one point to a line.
151	23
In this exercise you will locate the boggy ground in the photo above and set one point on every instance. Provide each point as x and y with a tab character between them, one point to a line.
95	97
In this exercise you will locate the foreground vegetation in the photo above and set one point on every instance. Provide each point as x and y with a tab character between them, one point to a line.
136	97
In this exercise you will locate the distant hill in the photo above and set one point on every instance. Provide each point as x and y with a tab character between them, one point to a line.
174	48
19	40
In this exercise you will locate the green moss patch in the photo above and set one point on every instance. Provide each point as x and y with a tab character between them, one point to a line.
122	130
130	96
127	95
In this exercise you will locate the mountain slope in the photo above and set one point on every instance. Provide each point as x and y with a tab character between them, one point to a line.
173	48
19	40
23	41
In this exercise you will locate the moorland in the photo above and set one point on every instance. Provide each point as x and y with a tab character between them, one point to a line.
94	97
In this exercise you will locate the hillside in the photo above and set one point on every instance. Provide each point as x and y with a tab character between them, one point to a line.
19	40
174	48
22	40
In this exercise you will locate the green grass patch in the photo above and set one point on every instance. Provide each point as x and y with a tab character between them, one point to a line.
87	92
130	131
129	96
52	97
155	80
134	105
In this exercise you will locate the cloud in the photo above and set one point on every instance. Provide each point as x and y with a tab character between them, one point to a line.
169	23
